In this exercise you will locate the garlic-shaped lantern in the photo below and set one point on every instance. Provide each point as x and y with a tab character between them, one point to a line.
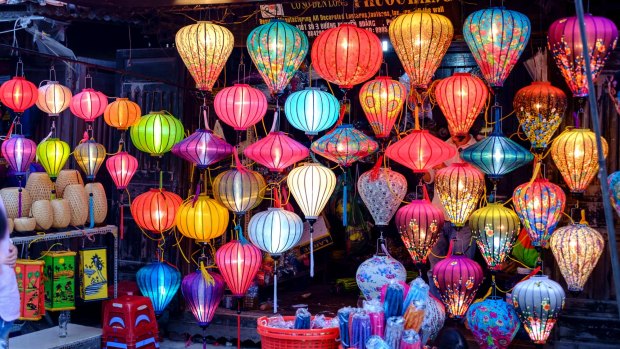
382	191
376	272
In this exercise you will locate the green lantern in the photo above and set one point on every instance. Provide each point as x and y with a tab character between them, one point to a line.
524	251
59	280
156	133
53	154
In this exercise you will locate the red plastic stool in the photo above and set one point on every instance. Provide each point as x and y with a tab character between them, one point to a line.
129	323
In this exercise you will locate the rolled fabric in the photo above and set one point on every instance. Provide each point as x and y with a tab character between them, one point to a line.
359	330
394	297
394	328
343	323
376	342
410	340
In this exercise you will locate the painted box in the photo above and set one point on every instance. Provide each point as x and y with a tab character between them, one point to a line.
93	274
59	280
31	292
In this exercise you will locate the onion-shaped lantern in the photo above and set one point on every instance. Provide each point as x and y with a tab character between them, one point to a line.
54	98
238	262
275	231
382	100
156	133
240	106
345	145
201	218
122	114
89	156
276	151
19	152
311	110
121	167
311	184
524	251
155	210
459	187
18	94
614	190
493	322
382	190
52	154
239	189
159	282
496	228
420	151
461	98
203	148
376	272
88	104
201	296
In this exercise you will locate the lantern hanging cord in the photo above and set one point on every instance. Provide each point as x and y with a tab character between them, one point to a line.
178	246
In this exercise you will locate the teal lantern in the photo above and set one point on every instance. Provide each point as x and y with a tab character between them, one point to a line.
614	190
493	322
311	110
159	282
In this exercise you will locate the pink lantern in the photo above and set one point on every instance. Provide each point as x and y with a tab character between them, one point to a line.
276	151
88	104
121	167
202	148
238	262
240	106
461	98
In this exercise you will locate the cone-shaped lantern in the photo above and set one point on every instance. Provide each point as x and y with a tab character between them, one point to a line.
203	148
156	133
202	218
382	190
344	145
276	151
89	156
122	114
88	104
121	168
238	262
461	98
493	322
382	100
201	296
459	187
155	210
311	110
239	189
18	94
496	228
240	106
54	98
160	282
311	184
19	152
420	151
52	154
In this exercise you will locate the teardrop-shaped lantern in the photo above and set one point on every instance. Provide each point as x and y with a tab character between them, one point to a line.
89	156
122	114
156	133
311	184
311	110
493	322
420	151
52	154
382	101
202	218
382	190
344	145
159	282
54	98
121	167
240	106
459	187
496	228
276	151
19	152
614	190
434	319
275	231
238	262
204	48
155	210
239	189
203	148
202	297
88	104
18	94
461	98
376	272
457	278
419	224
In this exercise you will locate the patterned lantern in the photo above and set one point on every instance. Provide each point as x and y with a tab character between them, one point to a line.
493	322
202	218
59	280
203	148
459	187
54	98
496	38
539	205
122	114
344	145
121	168
538	302
19	152
239	189
156	133
496	228
88	104
52	154
18	94
564	39
276	151
275	231
89	156
30	283
160	282
382	190
461	98
614	190
575	154
382	100
238	262
346	55
240	106
524	251
577	248
202	297
93	267
204	48
434	319
155	210
420	151
311	110
420	40
376	272
277	49
311	184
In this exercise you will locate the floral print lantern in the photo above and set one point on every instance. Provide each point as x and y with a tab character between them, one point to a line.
524	251
382	190
459	187
434	319
344	145
461	98
376	272
382	101
240	106
496	228
614	190
201	296
160	282
493	322
420	151
311	110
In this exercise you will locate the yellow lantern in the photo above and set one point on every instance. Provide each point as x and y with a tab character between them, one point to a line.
202	219
239	189
496	228
52	155
459	187
122	114
89	156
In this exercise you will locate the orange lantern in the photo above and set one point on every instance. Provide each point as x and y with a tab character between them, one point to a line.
122	114
461	98
382	100
155	210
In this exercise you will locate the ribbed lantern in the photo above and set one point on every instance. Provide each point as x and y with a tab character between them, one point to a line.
496	228
202	218
156	133
88	104
382	190
496	38
538	302
420	151
155	210
382	101
121	167
204	48
239	189
459	187
89	156
54	98
277	49
493	322
420	40
203	148
346	55
238	262
311	184
52	154
311	110
461	98
434	319
275	231
575	154
344	145
240	106
19	152
18	94
203	297
564	38
614	190
160	282
276	151
122	114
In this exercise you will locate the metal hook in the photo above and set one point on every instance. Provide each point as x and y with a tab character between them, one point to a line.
88	81
20	67
52	73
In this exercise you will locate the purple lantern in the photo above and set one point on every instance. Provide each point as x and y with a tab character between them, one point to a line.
493	322
202	296
202	148
19	152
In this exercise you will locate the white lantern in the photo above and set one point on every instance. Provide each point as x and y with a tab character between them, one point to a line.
311	184
382	191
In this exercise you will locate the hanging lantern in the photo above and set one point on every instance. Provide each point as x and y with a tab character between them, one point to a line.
203	148
376	272
420	151
434	319
461	97
575	154
538	302
240	106
122	114
121	167
565	43
311	184
277	49
89	155
52	154
155	210
459	187
382	190
420	40
202	218
496	228
524	251
276	151
311	110
18	94
238	262
156	133
496	38
344	145
275	231
54	98
88	104
204	47
159	282
19	153
493	322
239	189
346	55
382	100
614	190
202	297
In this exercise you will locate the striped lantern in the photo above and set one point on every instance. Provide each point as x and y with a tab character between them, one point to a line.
88	104
461	98
420	151
382	101
89	156
344	145
240	106
155	210
156	133
122	114
311	184
18	94
382	190
52	154
275	231
276	151
238	262
311	110
203	148
496	229
159	282
54	98
203	297
201	218
419	224
459	187
239	189
19	152
121	167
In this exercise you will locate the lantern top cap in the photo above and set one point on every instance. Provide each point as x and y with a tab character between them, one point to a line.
539	276
574	129
345	126
348	25
275	209
19	77
460	164
383	77
243	85
461	74
495	298
541	83
122	99
157	189
277	133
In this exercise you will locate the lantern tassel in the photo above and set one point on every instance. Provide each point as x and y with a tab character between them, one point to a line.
276	114
122	222
275	286
242	238
19	203
238	163
311	222
344	200
91	209
205	274
374	174
196	194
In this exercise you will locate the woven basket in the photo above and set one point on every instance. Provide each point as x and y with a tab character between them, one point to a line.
40	186
62	213
10	198
100	201
65	178
76	196
25	224
44	215
10	223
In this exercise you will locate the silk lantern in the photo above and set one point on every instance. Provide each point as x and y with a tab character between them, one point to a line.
575	154
18	94
382	190
344	145
204	47
238	261
496	228
459	187
564	39
420	151
240	106
277	50
434	319
203	148
155	210
53	98
239	189
160	282
276	151
202	218
382	101
311	110
88	104
121	167
538	302
614	190
52	154
524	251
89	156
420	40
493	322
346	55
461	98
122	114
19	153
202	297
156	133
496	38
376	272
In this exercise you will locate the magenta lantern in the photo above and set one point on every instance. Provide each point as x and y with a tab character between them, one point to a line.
276	151
238	262
19	152
203	296
88	104
121	168
240	106
202	148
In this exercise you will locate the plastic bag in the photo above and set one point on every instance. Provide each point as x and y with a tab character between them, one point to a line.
410	340
302	319
277	321
394	328
376	342
359	330
377	317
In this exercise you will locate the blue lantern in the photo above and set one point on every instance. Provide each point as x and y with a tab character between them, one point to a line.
493	322
311	110
160	282
614	190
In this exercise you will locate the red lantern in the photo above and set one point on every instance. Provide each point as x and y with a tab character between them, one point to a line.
420	151
18	94
382	100
461	98
155	210
238	262
88	104
121	167
240	106
276	151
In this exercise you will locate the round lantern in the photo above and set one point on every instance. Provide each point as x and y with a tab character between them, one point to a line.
89	156
577	248
202	297
382	100
156	133
276	151
457	278
52	154
202	218
159	282
19	153
538	302
238	261
565	43
496	38
420	40
575	154
344	145
420	151
122	114
121	167
18	94
311	110
524	251
376	272
155	210
434	319
275	231
459	187
382	190
54	98
239	189
346	55
203	148
204	48
419	224
461	98
493	322
240	106
277	49
614	190
88	104
311	184
496	228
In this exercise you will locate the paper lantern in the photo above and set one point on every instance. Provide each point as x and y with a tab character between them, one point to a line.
344	145
275	231
539	205
18	94
203	148
121	167
160	282
420	151
240	106
122	114
459	187
564	39
276	151
419	224
30	284
614	190
277	49
376	272
238	261
311	110
538	302
493	322
239	189
540	108
93	274
311	184
88	104
54	98
420	40
496	228
382	190
52	154
461	98
19	153
457	278
575	154
89	155
204	47
155	210
382	101
496	38
346	55
202	297
59	280
156	133
524	251
577	248
202	218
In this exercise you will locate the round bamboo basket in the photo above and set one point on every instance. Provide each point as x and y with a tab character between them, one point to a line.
25	224
77	198
62	213
44	215
10	198
40	186
100	201
65	178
